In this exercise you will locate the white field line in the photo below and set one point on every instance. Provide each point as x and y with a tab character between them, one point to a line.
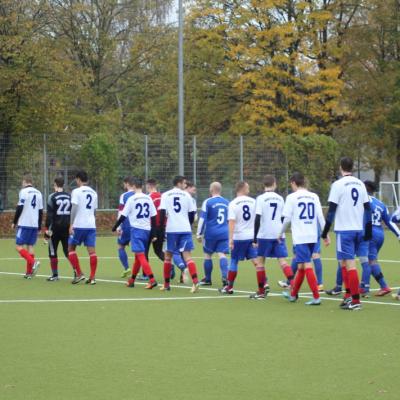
242	294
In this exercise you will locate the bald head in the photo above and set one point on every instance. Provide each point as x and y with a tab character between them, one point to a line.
215	188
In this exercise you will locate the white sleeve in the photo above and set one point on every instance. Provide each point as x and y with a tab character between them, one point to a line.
231	212
40	205
366	198
193	205
163	205
287	208
153	211
334	194
21	198
95	202
127	208
74	197
320	214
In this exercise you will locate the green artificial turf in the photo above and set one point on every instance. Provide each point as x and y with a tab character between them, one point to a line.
188	347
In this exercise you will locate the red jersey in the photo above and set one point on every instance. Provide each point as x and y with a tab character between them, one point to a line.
156	197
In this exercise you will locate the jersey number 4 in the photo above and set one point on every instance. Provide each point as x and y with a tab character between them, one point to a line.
33	202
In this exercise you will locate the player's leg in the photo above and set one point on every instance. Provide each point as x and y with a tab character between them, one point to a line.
312	283
179	262
297	282
52	247
170	249
316	258
135	271
90	243
31	251
158	246
74	241
123	258
376	270
223	260
191	265
208	267
261	278
27	237
339	282
25	254
231	276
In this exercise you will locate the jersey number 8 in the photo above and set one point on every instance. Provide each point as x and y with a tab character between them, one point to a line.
246	213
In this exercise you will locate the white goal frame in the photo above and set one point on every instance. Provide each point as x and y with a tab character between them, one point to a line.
394	189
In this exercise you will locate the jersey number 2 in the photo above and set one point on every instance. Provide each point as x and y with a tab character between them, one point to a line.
89	198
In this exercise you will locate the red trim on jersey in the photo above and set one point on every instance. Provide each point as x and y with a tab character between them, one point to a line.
156	197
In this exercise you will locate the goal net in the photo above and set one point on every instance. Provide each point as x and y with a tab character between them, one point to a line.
389	193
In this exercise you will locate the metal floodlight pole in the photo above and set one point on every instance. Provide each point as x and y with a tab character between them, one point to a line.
195	160
146	157
181	120
241	158
45	171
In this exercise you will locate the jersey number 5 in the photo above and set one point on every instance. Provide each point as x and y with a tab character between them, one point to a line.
221	216
177	205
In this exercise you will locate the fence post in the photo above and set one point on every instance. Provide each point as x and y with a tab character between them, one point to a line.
241	157
146	157
195	160
45	172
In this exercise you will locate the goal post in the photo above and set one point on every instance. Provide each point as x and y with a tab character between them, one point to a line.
389	193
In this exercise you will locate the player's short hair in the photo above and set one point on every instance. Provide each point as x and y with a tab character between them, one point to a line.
82	175
130	180
151	182
216	187
346	163
269	180
190	184
138	182
178	179
240	186
59	181
27	177
370	186
298	178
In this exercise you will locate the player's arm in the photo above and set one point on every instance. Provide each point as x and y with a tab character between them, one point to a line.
257	223
50	214
390	224
330	217
285	226
202	219
322	222
18	210
231	225
367	221
119	221
123	215
286	217
396	216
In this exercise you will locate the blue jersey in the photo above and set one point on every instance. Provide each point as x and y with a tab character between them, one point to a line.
125	226
213	223
380	214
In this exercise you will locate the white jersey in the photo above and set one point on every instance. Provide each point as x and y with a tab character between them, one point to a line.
32	201
85	200
177	204
304	210
269	206
242	211
350	194
139	209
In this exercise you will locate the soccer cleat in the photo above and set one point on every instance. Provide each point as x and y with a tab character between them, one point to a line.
320	288
288	296
224	282
130	283
225	290
195	288
164	288
334	292
35	268
181	278
383	292
90	281
345	301
364	293
185	276
266	288
28	276
172	276
125	273
142	278
313	302
53	278
257	296
283	284
396	296
78	279
204	282
352	306
150	285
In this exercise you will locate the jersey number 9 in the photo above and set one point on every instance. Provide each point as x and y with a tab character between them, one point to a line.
354	196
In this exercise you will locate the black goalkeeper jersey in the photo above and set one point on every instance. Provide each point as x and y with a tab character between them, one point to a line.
58	211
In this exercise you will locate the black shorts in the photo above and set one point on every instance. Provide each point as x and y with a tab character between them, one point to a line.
59	235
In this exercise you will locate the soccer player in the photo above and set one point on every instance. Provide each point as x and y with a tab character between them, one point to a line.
28	221
350	208
304	212
241	217
213	227
379	213
192	190
151	188
83	227
395	218
178	205
57	224
142	213
268	224
124	231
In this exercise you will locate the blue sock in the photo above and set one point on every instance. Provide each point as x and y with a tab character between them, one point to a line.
293	265
318	269
223	265
179	262
366	275
123	257
208	267
377	274
339	277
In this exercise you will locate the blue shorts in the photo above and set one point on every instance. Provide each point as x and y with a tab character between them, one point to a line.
350	244
85	236
179	242
304	252
26	236
317	247
272	248
124	238
243	250
375	244
139	240
216	246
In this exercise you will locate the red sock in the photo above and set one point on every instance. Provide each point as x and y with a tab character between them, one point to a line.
146	266
312	282
192	271
288	272
346	282
54	265
29	260
231	278
261	278
93	265
167	272
298	280
74	260
354	285
135	268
